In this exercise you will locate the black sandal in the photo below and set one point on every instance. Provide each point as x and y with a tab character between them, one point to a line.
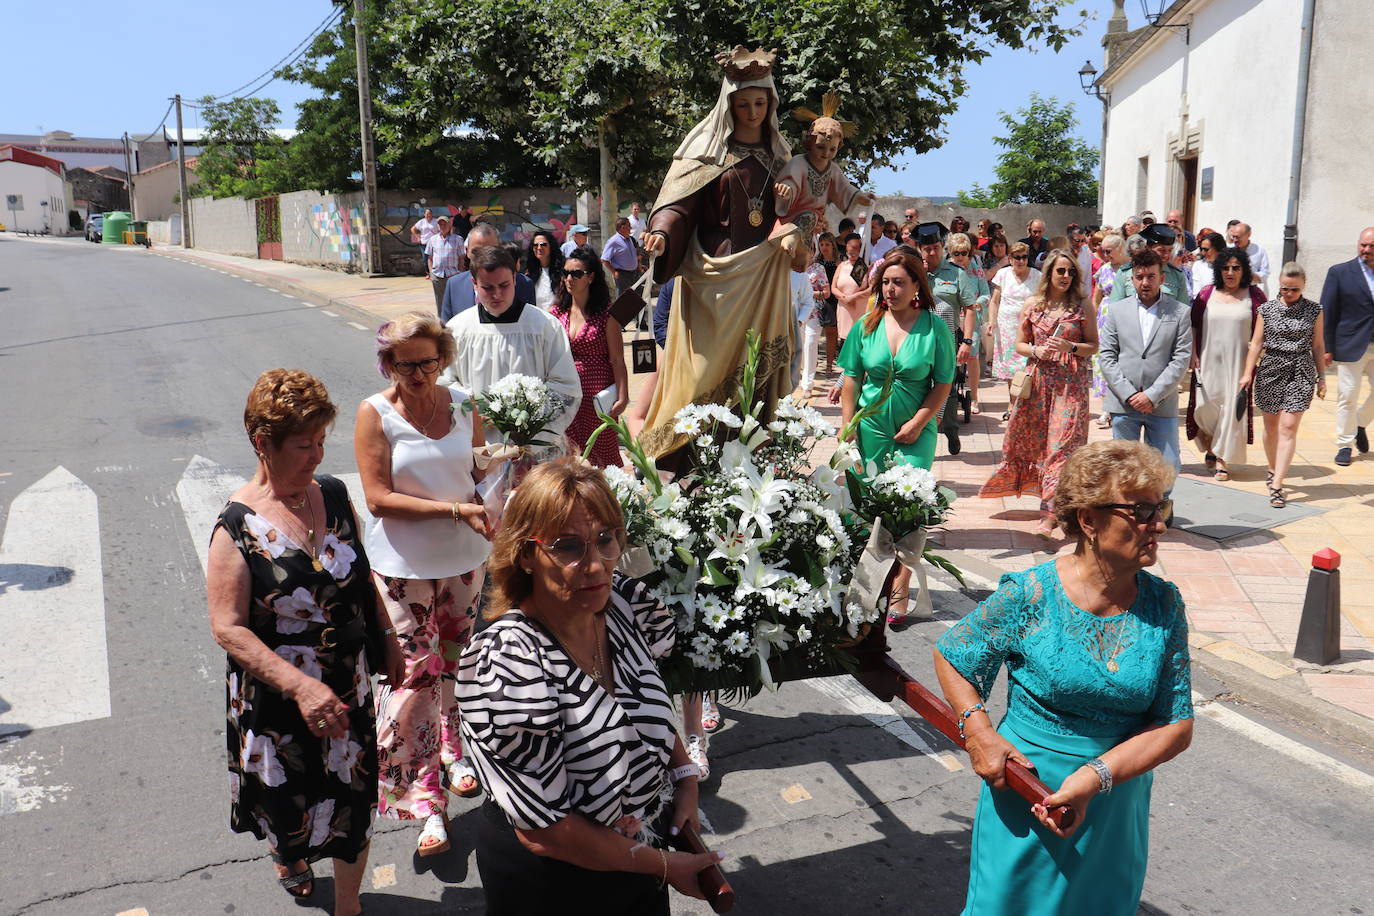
1276	497
291	882
1210	460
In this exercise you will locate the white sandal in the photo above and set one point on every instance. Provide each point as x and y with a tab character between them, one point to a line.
436	832
459	770
696	752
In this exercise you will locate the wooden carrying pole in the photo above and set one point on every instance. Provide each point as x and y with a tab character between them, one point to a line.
711	879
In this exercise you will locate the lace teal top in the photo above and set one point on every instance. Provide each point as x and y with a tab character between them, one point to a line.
1071	672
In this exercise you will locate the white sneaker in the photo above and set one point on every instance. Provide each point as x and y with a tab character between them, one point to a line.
696	752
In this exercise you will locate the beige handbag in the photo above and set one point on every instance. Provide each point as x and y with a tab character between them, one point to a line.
1022	383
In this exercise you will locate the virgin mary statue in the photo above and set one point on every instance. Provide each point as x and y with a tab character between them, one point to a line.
712	228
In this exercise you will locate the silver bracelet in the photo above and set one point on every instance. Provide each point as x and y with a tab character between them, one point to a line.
1104	774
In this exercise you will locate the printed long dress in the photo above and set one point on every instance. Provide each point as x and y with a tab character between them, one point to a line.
1077	685
310	797
594	369
924	359
1005	360
1050	425
1103	279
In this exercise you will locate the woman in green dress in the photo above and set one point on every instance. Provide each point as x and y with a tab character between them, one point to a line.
1096	651
900	338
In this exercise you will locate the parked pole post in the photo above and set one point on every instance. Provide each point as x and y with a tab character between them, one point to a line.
181	180
370	209
1319	631
129	177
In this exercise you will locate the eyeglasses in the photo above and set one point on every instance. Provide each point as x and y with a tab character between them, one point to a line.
1144	513
577	274
1204	248
570	550
1063	271
959	254
407	367
1019	257
539	245
1226	267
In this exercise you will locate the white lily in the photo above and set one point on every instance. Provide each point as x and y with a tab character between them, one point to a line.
768	636
757	575
764	497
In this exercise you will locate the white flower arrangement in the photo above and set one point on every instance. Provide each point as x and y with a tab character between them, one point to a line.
520	407
751	551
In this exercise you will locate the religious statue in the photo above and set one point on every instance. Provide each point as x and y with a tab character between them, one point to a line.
714	228
810	181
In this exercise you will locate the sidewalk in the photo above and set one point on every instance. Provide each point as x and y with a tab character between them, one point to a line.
1244	596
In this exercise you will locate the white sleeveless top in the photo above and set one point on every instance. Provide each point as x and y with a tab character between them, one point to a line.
433	548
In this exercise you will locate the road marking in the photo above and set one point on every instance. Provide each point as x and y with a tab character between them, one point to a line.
853	695
329	313
287	296
20	788
54	669
1228	718
309	305
202	491
360	327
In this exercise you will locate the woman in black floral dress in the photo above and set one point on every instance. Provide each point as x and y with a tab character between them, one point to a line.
291	603
1285	362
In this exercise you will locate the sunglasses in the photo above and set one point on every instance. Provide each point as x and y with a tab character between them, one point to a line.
407	367
577	274
571	550
959	254
1144	513
1063	271
540	245
1018	257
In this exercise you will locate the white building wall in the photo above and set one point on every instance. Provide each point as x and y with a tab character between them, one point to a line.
1234	81
1337	199
36	185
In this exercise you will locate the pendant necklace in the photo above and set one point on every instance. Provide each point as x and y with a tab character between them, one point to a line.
755	203
1111	665
308	545
433	409
595	668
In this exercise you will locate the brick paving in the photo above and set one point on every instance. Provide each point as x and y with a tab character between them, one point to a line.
1244	595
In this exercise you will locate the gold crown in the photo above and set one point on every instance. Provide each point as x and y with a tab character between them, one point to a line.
742	65
830	106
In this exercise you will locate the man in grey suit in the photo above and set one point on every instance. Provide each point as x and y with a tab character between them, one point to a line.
1146	343
1348	326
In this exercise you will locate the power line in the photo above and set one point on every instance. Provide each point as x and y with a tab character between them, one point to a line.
159	126
270	73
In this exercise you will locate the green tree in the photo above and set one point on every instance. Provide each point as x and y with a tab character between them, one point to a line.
607	89
240	155
1043	160
326	153
980	197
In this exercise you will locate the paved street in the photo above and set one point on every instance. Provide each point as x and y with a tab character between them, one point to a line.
125	375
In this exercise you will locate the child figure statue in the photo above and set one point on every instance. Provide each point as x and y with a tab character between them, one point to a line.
808	182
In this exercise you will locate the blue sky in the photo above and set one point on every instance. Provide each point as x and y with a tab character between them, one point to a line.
198	48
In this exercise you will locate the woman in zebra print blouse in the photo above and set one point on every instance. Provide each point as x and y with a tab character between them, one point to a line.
566	717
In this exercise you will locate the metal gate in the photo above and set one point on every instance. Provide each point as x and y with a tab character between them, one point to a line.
269	228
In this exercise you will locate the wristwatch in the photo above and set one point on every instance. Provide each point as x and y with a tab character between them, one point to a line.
967	340
678	774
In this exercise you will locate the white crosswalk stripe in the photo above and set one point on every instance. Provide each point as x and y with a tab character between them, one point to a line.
54	669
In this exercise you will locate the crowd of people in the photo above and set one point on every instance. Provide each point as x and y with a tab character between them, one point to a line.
508	654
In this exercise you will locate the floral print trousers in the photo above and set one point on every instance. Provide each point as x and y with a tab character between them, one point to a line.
417	724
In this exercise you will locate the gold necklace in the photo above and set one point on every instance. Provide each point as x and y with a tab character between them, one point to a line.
755	203
308	545
433	409
1111	665
594	669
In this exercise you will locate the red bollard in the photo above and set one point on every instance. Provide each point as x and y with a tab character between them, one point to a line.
1319	631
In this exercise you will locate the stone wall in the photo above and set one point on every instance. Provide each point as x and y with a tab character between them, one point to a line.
1013	217
229	226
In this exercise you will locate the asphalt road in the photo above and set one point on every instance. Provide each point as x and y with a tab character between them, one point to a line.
126	369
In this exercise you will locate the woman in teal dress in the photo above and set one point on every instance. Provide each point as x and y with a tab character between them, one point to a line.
1096	651
903	339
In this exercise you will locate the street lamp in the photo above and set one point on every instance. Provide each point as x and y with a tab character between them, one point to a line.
1154	11
1087	78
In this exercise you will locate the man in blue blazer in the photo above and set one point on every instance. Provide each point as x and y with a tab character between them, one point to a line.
1348	320
461	295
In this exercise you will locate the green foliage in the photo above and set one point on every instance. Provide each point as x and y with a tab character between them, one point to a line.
1043	161
240	155
980	197
326	152
549	74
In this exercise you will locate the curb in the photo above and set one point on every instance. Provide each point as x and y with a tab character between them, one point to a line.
1253	686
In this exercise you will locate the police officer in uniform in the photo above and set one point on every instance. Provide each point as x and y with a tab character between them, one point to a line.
956	297
1161	240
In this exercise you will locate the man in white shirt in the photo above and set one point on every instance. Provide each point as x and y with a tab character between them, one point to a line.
1259	258
503	336
1078	242
637	223
876	244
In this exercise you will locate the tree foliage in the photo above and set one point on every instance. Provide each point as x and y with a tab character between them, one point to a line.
551	74
240	155
1043	160
326	153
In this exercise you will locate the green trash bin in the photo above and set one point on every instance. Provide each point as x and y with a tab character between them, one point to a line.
138	230
115	225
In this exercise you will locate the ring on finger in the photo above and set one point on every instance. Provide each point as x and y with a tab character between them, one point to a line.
321	724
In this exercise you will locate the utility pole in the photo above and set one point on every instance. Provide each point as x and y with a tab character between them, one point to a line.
129	177
181	180
370	209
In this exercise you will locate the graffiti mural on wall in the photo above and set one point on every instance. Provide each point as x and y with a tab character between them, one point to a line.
340	232
515	225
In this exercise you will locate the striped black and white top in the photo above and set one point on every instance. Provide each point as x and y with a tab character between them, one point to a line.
547	740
